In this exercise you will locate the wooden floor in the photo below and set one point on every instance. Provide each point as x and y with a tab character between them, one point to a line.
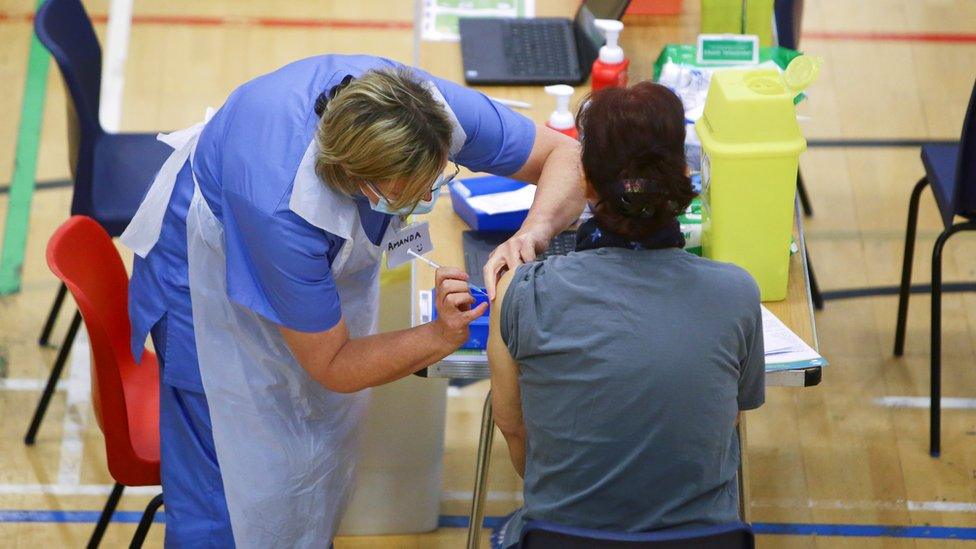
827	455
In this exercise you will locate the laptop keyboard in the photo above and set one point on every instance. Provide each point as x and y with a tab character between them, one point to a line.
538	49
478	246
562	244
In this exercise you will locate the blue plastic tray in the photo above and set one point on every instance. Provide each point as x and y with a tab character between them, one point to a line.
461	191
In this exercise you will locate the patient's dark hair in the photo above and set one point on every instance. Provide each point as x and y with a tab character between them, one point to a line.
633	157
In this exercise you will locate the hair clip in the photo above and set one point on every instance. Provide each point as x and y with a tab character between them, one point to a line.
626	191
637	185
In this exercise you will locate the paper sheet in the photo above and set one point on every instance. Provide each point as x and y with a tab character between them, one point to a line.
511	201
782	346
440	17
690	83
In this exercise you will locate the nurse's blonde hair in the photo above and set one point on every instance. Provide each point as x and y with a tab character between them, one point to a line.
383	127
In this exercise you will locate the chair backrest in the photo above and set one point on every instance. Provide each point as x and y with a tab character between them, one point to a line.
546	535
84	257
66	31
966	171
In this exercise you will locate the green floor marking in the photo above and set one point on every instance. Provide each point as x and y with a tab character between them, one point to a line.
25	168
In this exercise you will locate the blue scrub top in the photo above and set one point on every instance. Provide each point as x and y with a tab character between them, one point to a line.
278	264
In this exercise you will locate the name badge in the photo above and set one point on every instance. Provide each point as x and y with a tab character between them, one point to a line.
415	236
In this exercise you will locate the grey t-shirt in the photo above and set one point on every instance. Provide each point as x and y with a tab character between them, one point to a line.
633	366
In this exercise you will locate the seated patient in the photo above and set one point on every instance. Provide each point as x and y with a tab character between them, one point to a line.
618	371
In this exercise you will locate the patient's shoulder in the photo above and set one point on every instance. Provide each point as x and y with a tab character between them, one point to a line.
726	278
519	278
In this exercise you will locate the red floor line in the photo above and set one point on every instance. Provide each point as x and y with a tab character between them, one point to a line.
15	17
220	21
337	24
311	23
854	36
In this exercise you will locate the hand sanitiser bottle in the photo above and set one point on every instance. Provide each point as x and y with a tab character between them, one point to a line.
610	68
561	119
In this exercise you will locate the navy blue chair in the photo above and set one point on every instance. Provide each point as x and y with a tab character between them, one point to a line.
788	15
951	172
111	172
545	535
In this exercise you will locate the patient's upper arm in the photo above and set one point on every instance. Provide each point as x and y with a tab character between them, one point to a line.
495	318
504	368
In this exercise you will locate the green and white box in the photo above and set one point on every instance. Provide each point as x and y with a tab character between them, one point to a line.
728	49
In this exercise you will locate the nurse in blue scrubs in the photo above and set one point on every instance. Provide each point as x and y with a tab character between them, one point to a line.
256	274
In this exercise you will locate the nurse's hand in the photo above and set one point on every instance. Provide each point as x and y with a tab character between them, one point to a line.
521	248
554	166
454	301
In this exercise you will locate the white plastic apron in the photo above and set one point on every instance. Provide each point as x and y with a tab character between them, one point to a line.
287	447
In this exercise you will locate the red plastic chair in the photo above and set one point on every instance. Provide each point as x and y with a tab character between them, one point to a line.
125	395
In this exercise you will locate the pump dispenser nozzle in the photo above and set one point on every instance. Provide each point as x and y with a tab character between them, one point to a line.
610	53
561	119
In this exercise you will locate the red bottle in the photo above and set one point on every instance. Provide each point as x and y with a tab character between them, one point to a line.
610	68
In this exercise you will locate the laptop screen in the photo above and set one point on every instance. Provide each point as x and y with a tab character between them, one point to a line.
588	37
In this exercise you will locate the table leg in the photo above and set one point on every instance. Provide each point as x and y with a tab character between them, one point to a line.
481	474
743	476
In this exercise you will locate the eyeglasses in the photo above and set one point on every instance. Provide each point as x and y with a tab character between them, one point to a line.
443	179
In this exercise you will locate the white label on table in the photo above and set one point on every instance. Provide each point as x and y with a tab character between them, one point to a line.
425	306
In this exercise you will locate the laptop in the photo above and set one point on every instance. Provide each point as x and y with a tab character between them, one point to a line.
543	50
478	245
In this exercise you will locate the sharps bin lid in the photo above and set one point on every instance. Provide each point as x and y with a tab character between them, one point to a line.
751	112
801	72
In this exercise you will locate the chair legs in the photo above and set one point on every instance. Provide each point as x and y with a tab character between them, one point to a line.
106	516
906	266
935	364
801	191
818	301
146	522
52	316
52	380
935	407
935	360
804	199
481	474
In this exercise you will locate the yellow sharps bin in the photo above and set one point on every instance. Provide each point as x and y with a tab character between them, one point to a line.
751	144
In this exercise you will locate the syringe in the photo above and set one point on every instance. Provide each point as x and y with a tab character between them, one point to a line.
436	266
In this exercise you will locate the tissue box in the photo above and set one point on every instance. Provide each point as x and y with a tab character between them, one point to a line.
478	329
481	216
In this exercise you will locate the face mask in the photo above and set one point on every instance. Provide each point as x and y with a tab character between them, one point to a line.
426	206
422	207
